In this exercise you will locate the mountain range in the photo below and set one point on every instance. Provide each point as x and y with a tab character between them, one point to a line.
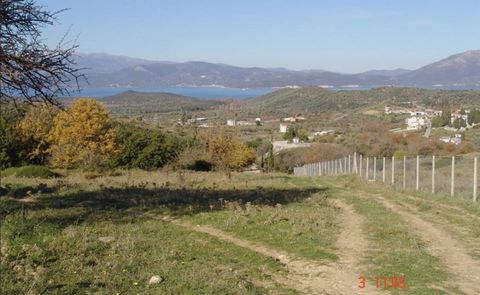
104	70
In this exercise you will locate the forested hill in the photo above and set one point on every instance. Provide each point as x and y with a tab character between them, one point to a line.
316	99
139	102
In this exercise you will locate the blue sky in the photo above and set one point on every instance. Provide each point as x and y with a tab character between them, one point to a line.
343	36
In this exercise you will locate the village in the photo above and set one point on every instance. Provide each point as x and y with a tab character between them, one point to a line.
417	119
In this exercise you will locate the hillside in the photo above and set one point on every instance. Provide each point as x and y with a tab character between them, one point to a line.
463	68
235	234
106	63
144	103
315	99
458	70
204	74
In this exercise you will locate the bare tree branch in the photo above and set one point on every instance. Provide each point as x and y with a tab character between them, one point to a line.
29	69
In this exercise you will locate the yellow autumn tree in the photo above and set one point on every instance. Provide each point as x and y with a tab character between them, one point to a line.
228	152
82	135
34	129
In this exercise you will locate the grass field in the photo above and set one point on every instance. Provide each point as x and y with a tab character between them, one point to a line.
217	233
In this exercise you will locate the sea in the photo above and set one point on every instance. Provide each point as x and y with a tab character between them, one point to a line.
198	92
218	92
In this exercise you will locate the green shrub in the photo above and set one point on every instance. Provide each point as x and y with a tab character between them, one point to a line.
145	148
31	171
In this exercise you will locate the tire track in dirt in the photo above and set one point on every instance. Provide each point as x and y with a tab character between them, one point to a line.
459	210
307	276
452	254
468	241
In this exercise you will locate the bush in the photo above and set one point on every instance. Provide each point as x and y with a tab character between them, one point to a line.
227	152
31	171
145	148
82	136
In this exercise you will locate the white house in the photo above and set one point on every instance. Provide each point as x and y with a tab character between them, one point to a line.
322	133
231	122
289	119
457	139
283	128
415	123
445	139
418	113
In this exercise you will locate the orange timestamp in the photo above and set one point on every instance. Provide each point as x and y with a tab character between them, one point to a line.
384	282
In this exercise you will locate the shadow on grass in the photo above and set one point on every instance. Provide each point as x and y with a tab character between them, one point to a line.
126	204
21	191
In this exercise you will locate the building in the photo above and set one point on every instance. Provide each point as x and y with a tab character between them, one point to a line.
293	119
283	128
418	114
457	139
296	140
231	122
445	139
322	133
415	123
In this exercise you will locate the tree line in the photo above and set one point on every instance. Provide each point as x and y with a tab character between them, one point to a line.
83	135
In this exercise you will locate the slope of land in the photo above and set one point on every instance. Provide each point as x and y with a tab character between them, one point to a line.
462	69
316	99
131	102
209	233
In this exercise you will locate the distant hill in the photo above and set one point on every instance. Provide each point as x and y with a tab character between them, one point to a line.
387	73
463	68
106	63
147	103
315	99
111	71
207	74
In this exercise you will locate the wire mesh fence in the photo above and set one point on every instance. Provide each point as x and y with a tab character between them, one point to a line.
454	176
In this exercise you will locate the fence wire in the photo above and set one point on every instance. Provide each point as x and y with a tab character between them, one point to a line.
449	176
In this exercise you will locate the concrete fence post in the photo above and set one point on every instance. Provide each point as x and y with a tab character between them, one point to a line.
361	163
417	183
349	164
355	167
383	170
393	170
433	174
452	185
475	179
374	168
404	172
366	169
